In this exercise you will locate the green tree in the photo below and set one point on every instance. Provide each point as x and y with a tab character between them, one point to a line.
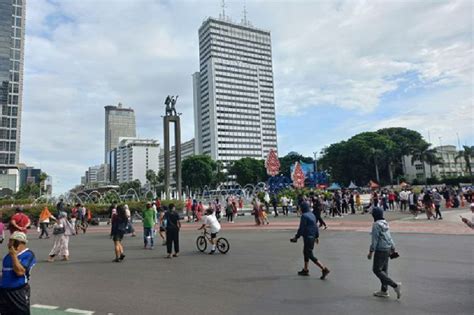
248	171
42	178
197	171
27	191
467	154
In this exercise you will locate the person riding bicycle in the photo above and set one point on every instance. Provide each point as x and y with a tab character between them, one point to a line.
214	226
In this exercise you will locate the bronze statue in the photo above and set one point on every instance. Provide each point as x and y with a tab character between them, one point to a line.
170	103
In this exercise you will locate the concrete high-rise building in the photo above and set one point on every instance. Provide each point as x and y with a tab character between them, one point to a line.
12	35
134	157
119	123
234	106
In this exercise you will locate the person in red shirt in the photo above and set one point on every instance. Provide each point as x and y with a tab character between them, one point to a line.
391	200
19	222
188	206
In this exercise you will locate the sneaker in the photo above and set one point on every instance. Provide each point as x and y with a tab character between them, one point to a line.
303	272
326	271
381	294
398	290
122	256
116	260
212	252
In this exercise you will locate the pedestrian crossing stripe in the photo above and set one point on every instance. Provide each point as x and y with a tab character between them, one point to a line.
40	308
46	307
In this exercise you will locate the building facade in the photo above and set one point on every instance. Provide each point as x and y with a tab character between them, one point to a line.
450	167
234	105
12	35
119	123
95	176
134	157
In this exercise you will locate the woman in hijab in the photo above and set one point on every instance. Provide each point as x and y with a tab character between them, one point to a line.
62	229
119	228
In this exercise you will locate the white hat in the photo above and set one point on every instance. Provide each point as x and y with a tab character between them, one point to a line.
19	236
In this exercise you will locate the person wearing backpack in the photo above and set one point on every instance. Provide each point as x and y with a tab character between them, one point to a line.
16	268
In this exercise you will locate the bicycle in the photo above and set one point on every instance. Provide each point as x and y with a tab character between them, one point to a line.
222	243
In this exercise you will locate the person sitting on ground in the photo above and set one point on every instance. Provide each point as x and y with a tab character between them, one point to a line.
211	221
466	221
16	268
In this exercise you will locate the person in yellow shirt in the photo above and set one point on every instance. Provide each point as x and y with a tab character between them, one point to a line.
44	220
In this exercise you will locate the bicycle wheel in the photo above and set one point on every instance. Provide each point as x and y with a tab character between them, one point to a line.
201	243
223	245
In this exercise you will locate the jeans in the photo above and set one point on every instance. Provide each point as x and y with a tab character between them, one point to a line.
380	269
285	210
308	249
148	232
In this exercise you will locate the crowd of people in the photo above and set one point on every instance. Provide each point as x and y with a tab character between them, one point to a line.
17	264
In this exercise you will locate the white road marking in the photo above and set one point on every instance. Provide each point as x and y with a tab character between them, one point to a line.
76	311
46	307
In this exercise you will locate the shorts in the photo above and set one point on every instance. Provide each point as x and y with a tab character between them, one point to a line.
214	235
162	229
117	237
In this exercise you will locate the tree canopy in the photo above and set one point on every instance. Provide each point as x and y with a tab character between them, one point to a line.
198	171
371	155
249	171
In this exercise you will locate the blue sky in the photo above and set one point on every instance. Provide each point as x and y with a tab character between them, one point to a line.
340	68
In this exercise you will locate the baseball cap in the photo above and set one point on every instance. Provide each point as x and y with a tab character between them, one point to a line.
19	236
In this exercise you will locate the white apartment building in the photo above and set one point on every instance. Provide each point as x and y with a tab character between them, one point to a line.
134	157
449	168
234	106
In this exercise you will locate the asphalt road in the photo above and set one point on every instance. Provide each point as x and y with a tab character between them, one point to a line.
257	276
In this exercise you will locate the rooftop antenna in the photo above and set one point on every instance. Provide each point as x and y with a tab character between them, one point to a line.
244	20
223	6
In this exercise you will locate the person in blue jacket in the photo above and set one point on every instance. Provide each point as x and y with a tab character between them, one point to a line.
382	245
309	231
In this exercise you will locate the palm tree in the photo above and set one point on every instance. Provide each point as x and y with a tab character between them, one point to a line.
432	159
420	154
467	154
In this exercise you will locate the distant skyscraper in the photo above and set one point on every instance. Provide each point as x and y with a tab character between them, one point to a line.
119	123
12	35
234	106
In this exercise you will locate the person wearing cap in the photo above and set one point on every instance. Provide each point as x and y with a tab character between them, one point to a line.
16	268
466	220
19	221
308	229
382	245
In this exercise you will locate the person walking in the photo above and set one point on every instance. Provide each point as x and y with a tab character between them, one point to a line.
437	204
428	204
275	205
317	208
284	205
229	212
403	200
14	283
381	247
19	222
172	231
62	229
118	230
149	221
44	219
308	229
130	228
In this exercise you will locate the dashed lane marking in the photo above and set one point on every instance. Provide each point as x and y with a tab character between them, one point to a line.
45	307
76	311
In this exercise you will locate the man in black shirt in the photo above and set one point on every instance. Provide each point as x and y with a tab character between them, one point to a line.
172	230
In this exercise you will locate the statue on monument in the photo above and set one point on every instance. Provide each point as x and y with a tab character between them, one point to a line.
170	103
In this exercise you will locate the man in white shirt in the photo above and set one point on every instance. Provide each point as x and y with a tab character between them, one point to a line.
214	226
403	200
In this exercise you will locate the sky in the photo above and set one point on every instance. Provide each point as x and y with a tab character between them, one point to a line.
340	68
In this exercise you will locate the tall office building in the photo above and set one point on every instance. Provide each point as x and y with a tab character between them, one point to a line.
12	35
134	157
12	18
119	123
234	106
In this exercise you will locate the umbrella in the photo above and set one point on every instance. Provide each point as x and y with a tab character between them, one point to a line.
352	186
